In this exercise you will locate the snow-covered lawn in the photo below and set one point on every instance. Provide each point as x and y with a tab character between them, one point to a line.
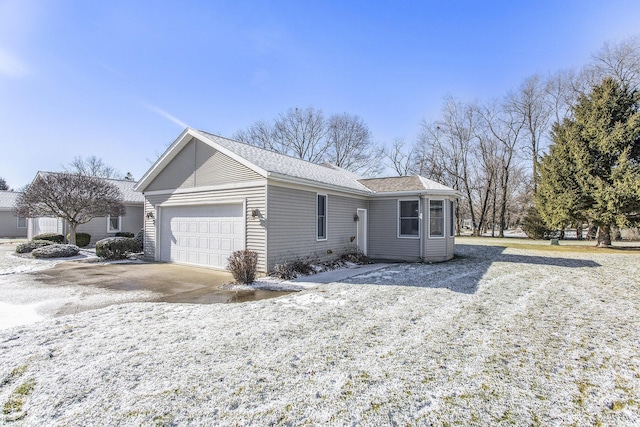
495	337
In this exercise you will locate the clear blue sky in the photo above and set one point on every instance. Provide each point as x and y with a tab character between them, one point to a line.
121	79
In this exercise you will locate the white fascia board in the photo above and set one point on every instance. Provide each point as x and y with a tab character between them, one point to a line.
229	186
224	201
317	185
423	193
204	138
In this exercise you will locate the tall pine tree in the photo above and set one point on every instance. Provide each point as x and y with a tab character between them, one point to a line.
592	171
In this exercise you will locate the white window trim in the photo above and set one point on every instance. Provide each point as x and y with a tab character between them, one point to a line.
112	230
326	217
452	218
444	220
401	236
18	222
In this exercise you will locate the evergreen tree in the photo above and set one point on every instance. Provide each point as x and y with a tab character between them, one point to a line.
3	185
592	171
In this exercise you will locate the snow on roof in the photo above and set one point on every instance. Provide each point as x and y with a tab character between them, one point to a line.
125	187
8	199
403	183
289	166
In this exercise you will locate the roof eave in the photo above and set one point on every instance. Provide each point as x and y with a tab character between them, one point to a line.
162	161
175	148
433	192
301	181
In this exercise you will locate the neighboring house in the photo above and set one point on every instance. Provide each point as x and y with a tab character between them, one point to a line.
207	196
10	224
99	228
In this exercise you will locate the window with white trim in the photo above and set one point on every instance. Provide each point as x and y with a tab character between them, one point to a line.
408	218
22	222
436	218
322	217
451	219
113	223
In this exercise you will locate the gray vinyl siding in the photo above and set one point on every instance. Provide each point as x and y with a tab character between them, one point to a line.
255	228
291	219
200	165
384	242
9	225
437	248
131	222
149	231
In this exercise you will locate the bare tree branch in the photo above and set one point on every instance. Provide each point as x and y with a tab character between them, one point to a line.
92	166
73	197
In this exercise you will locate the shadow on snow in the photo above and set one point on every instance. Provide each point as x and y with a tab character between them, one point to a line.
464	272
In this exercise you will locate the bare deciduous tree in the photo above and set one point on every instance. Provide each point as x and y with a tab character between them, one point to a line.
506	126
350	145
343	140
261	135
302	132
530	105
561	94
620	61
92	166
73	197
399	157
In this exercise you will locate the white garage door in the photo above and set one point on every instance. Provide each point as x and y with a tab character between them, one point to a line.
201	235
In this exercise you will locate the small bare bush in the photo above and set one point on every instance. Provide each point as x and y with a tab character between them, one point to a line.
357	257
290	269
243	266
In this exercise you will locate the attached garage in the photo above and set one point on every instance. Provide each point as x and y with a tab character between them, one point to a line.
201	235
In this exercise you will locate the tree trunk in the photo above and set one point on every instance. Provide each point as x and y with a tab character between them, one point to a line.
579	230
72	233
615	233
604	236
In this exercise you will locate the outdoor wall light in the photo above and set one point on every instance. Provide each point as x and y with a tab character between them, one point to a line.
255	213
356	218
150	215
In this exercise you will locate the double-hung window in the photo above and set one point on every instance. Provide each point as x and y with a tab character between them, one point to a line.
408	218
322	217
436	218
22	222
113	223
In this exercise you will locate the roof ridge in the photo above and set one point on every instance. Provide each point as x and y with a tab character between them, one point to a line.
90	176
257	147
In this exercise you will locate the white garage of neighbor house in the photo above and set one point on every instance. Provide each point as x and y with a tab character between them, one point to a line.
207	196
99	228
11	225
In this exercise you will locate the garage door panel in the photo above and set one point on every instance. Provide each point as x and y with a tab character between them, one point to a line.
202	235
238	244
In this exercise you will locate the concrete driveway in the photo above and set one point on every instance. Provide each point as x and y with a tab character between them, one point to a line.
31	290
170	282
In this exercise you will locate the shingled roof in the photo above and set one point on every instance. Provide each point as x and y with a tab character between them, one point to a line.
286	168
8	200
125	187
403	183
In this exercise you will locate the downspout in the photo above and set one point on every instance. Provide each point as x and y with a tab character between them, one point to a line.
421	228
